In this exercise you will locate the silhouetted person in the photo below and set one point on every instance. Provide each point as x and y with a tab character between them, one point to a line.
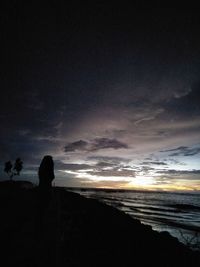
44	192
8	169
18	166
46	172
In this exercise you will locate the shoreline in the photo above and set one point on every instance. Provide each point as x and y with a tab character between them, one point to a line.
131	190
82	231
161	215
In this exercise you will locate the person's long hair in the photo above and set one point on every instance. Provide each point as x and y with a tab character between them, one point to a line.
46	170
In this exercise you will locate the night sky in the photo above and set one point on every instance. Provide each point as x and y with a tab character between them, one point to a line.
111	92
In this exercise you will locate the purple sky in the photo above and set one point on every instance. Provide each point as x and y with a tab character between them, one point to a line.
112	93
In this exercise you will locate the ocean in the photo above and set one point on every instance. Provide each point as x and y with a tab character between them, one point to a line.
176	213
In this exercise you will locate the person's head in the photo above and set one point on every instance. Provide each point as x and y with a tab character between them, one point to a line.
47	161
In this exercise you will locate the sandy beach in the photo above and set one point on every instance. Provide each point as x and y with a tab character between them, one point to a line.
77	231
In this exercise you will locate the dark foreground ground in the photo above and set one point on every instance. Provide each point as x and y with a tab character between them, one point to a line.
76	231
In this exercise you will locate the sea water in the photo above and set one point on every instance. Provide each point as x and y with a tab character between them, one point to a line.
177	213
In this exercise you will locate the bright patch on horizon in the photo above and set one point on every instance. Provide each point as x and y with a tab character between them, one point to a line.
96	178
142	181
176	180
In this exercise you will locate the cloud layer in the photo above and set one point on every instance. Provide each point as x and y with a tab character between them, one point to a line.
183	151
95	145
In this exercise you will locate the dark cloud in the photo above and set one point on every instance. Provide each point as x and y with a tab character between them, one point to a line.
154	163
183	151
111	160
172	174
80	145
72	166
175	149
115	172
146	169
104	143
95	145
103	164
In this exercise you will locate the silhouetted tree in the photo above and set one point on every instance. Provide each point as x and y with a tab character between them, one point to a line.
8	169
16	169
